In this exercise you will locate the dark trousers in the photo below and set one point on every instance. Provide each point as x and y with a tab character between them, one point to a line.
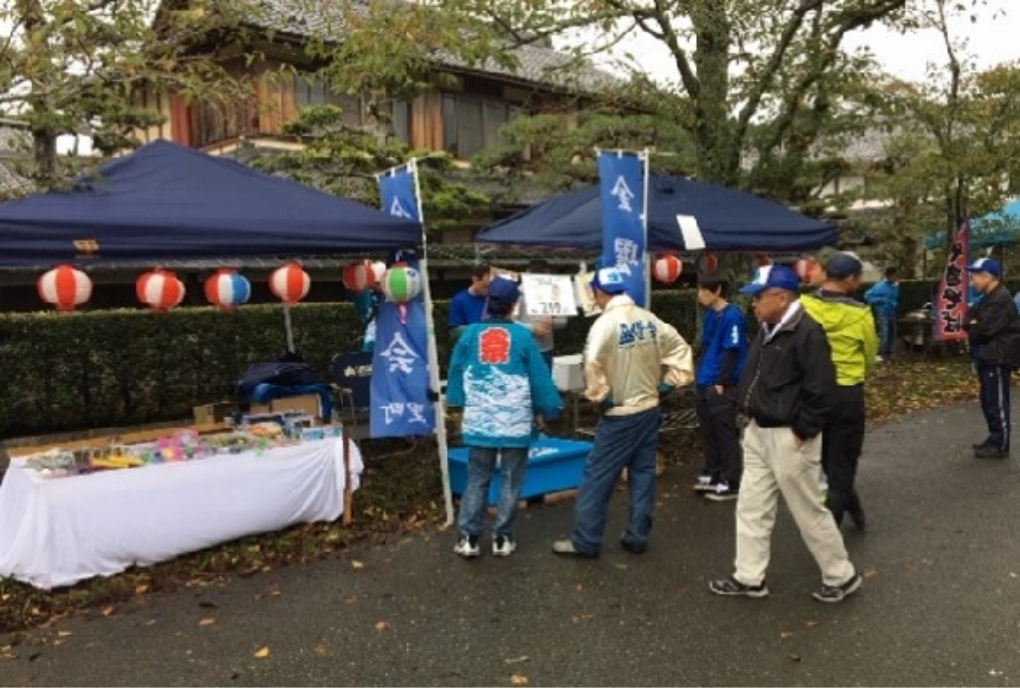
995	402
717	420
842	442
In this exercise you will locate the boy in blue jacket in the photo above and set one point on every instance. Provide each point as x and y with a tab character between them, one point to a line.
884	298
721	357
498	376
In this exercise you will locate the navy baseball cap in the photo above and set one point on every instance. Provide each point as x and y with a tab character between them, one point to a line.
772	277
988	265
842	265
503	290
609	280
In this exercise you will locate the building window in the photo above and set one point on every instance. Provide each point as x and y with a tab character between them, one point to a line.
310	89
472	124
402	122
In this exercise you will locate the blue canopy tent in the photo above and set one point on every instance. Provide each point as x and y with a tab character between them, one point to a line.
165	201
728	220
998	228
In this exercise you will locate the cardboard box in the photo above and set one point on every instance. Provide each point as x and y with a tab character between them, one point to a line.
210	414
568	373
304	403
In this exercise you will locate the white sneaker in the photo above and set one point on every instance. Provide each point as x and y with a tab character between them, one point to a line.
467	546
503	546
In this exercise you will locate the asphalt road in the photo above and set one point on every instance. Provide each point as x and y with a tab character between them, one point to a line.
941	602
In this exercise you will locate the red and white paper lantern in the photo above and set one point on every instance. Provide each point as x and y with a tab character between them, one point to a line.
65	287
226	289
806	269
708	263
361	275
160	290
667	268
290	283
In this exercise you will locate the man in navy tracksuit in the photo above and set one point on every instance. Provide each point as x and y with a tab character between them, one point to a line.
992	330
721	357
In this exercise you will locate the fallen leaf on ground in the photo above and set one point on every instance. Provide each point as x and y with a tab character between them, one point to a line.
141	589
320	649
107	611
262	653
794	658
206	622
811	624
870	572
381	626
518	680
357	564
63	634
785	634
207	605
6	596
515	660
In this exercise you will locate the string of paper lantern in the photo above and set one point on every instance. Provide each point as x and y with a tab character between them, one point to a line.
64	287
226	289
160	290
667	268
401	284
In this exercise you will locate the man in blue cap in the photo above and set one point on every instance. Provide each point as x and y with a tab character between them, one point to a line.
630	358
787	389
992	332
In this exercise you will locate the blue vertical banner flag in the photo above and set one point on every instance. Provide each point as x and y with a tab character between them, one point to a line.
624	236
400	404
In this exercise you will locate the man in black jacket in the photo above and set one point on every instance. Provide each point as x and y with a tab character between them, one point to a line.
787	389
991	331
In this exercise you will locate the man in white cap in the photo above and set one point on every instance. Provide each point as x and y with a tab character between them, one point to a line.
787	388
992	332
631	357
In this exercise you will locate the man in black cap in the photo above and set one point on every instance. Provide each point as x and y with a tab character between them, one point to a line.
850	328
992	331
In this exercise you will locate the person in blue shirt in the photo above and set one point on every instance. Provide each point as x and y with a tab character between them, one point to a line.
884	299
721	356
366	304
468	307
500	380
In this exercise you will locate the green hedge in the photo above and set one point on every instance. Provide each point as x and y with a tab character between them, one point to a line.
119	368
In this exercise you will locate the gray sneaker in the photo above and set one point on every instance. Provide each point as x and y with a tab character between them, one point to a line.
503	546
566	548
467	546
731	587
838	593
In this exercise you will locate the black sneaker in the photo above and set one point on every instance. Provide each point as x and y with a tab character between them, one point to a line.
503	546
990	452
731	587
980	445
633	547
856	514
838	593
722	493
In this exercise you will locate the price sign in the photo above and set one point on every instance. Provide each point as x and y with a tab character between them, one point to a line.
551	295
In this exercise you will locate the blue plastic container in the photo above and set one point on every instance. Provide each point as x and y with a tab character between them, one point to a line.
553	465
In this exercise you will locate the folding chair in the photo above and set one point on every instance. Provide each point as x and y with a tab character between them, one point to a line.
352	373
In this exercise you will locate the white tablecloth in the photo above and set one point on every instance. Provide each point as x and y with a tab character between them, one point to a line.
60	531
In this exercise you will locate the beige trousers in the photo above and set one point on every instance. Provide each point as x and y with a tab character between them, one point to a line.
772	465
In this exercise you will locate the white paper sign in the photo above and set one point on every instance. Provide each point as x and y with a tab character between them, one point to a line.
548	294
583	293
691	233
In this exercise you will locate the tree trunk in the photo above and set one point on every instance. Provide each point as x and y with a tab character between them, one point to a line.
718	156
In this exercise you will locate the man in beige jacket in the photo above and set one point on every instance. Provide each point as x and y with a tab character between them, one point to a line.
631	357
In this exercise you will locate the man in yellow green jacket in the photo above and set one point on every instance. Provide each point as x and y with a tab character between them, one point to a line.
850	329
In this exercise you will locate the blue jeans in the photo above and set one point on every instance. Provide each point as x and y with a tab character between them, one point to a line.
620	441
886	334
481	462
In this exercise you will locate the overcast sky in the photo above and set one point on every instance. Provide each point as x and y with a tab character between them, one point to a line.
992	39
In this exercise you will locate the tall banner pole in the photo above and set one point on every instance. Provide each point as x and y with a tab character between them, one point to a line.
646	264
433	357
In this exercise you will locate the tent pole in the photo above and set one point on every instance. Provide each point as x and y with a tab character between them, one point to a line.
433	357
646	261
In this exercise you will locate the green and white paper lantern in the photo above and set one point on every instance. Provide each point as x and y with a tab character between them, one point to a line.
400	284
